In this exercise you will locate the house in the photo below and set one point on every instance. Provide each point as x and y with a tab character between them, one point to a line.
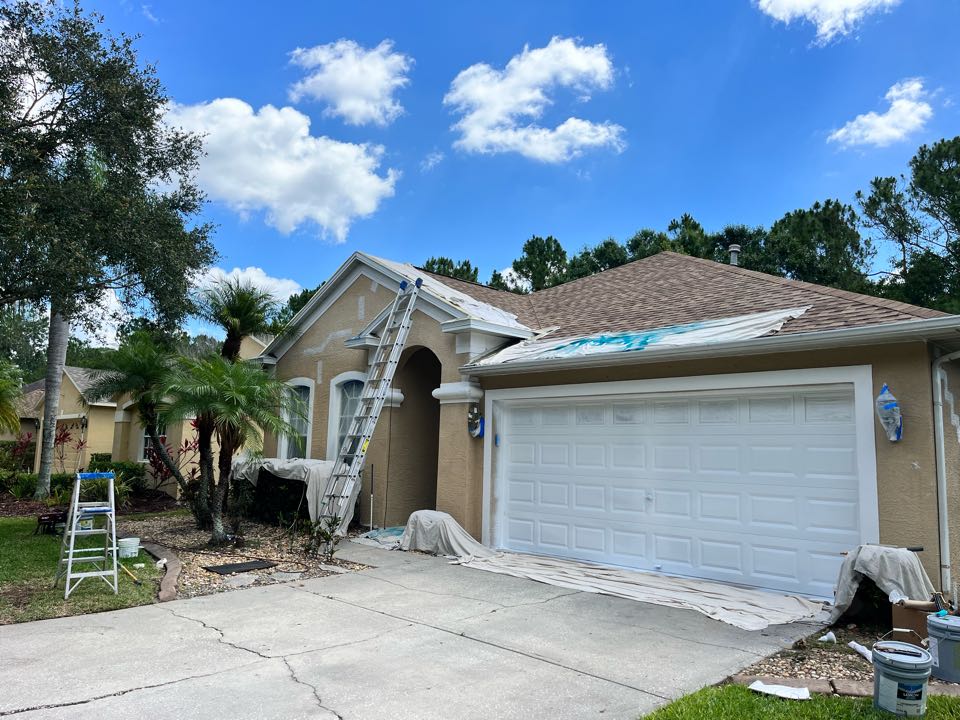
672	414
84	424
88	425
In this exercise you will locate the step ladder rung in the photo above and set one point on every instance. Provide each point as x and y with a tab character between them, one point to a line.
103	558
93	573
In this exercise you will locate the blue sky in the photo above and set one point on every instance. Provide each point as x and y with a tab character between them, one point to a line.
732	111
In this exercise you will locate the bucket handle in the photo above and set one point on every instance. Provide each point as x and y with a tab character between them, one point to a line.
924	642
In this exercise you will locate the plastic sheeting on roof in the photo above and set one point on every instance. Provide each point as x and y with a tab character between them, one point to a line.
732	329
471	306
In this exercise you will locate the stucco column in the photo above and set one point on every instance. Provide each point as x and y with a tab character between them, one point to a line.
121	436
459	457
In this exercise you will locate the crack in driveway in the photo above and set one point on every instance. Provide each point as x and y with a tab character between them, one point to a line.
118	693
490	643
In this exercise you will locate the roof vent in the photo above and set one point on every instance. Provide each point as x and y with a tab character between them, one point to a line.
734	254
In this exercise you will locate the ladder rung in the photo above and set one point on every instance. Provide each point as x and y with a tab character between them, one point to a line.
89	558
93	573
95	531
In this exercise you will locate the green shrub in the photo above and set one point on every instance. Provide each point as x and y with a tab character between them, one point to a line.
132	473
17	455
100	462
94	490
24	486
62	481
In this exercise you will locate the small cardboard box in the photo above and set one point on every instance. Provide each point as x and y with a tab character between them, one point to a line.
915	620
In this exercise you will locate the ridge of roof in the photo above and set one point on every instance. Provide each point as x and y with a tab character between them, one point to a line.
849	295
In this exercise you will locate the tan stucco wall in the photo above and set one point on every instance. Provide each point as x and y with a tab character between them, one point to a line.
320	355
906	473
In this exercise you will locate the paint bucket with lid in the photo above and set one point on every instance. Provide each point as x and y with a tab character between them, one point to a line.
944	633
900	675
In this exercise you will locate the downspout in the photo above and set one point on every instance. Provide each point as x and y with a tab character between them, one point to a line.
943	514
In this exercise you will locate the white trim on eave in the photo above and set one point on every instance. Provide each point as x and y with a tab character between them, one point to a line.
360	264
934	329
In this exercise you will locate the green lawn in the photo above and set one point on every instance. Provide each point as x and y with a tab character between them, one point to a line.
730	702
27	566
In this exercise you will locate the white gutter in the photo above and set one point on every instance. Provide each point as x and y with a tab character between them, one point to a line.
943	513
922	329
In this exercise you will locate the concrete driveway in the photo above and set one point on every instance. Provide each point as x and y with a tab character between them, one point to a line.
413	637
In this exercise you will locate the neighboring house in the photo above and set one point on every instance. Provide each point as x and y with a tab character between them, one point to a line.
101	426
737	441
84	426
130	439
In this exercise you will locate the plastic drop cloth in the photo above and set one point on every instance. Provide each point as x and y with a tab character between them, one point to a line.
732	329
896	571
314	473
750	609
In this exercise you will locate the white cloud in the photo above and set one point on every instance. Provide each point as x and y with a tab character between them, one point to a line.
280	288
832	17
357	84
268	160
514	281
101	321
494	103
908	112
148	14
431	161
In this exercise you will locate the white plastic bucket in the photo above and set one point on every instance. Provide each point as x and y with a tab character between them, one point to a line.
944	635
128	547
900	675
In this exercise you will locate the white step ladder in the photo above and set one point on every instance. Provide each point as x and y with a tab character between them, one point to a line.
343	486
103	559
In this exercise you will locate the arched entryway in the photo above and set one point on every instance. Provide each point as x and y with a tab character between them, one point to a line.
413	441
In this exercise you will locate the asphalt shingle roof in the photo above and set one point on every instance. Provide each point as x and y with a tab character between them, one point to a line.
671	289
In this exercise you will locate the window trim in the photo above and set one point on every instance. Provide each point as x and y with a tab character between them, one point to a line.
283	440
333	411
142	455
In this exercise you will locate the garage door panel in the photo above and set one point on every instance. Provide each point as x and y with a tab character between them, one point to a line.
756	487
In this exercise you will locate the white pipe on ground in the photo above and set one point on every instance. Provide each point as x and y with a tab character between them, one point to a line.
943	514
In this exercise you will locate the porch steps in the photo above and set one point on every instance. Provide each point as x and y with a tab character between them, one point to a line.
342	489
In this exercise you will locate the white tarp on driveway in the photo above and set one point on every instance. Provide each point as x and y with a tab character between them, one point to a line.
750	609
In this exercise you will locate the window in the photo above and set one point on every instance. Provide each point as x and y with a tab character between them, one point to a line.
145	444
296	444
349	400
345	391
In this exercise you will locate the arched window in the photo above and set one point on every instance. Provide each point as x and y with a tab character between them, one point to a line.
345	391
349	400
298	444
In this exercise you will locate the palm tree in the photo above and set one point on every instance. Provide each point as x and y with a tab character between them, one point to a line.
141	367
10	384
240	308
241	401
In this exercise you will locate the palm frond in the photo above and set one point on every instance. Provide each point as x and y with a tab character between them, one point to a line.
11	383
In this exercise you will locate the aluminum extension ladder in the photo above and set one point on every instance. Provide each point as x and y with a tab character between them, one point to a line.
344	483
103	559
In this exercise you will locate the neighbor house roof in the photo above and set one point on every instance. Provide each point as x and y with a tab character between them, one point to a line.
30	398
84	378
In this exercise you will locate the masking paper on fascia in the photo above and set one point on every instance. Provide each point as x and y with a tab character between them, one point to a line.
474	308
732	329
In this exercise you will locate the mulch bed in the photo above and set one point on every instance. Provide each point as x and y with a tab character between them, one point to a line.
11	507
260	541
813	660
149	502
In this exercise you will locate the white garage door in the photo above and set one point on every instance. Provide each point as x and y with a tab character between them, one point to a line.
752	486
